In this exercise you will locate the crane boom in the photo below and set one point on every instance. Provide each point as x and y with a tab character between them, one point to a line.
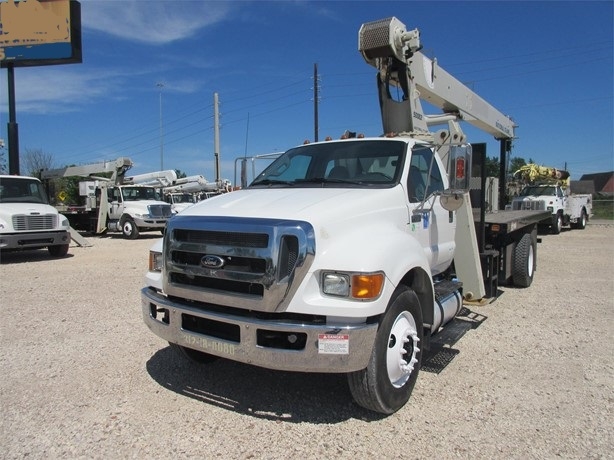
388	46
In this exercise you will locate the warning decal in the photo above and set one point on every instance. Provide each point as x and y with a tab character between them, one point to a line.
334	344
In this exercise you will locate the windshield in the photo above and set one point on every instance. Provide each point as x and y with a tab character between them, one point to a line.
21	190
140	193
533	190
354	163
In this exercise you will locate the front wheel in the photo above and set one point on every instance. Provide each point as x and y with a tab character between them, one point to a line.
557	224
385	385
59	250
129	229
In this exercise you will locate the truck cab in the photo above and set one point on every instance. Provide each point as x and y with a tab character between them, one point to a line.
564	207
332	248
27	220
136	208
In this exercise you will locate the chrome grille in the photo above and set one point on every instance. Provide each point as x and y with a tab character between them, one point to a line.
34	222
261	261
159	210
529	205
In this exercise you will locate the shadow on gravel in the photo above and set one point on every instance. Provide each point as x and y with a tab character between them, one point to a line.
287	396
29	255
262	393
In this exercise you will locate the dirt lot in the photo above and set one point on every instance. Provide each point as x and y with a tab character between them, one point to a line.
82	377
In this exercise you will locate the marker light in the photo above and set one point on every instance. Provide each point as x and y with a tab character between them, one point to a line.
361	286
155	261
367	286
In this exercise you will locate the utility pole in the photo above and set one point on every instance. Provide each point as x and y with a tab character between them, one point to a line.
160	85
315	102
216	137
12	128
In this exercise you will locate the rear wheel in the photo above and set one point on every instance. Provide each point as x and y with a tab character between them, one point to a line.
385	385
524	262
193	355
129	228
581	223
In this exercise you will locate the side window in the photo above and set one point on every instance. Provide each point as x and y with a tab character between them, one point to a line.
424	175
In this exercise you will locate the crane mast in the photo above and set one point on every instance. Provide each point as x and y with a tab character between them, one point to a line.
387	45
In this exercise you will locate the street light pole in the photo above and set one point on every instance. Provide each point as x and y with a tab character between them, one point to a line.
161	85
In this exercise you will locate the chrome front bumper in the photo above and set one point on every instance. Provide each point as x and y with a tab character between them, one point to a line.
333	348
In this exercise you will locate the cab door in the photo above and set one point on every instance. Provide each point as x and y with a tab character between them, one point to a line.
116	205
429	222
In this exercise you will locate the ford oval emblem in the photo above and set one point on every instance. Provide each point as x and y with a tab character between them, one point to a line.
209	261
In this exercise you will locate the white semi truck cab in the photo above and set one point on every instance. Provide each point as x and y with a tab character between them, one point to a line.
27	220
342	256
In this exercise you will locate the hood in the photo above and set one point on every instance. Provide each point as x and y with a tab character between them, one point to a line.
8	209
318	206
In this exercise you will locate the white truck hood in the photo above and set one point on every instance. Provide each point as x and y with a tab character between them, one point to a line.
8	210
320	207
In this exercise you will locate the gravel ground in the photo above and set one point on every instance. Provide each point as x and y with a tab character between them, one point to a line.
82	377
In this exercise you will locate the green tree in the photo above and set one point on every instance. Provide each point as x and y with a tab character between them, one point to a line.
180	173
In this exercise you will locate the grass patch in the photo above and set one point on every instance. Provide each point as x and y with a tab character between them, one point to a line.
603	208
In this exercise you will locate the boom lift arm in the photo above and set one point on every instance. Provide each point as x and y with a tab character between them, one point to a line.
118	167
532	172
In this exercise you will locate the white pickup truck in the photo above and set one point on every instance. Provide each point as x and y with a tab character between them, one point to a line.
27	221
566	208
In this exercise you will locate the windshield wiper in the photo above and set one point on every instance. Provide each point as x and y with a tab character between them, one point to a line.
328	180
272	182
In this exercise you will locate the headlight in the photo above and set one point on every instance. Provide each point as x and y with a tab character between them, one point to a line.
64	221
360	286
155	261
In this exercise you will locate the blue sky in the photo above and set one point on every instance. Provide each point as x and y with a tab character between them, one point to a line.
548	65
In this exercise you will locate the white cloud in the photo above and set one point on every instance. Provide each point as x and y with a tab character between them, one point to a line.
151	21
60	89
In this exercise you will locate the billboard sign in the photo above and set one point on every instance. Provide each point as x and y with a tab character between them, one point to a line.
40	32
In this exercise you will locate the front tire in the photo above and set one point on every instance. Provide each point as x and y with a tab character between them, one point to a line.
59	250
385	385
129	229
524	262
557	225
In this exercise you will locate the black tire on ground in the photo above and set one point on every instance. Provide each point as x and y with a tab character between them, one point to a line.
557	224
129	228
581	223
59	250
524	262
193	355
385	385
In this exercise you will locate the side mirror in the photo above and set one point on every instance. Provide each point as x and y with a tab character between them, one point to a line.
451	201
